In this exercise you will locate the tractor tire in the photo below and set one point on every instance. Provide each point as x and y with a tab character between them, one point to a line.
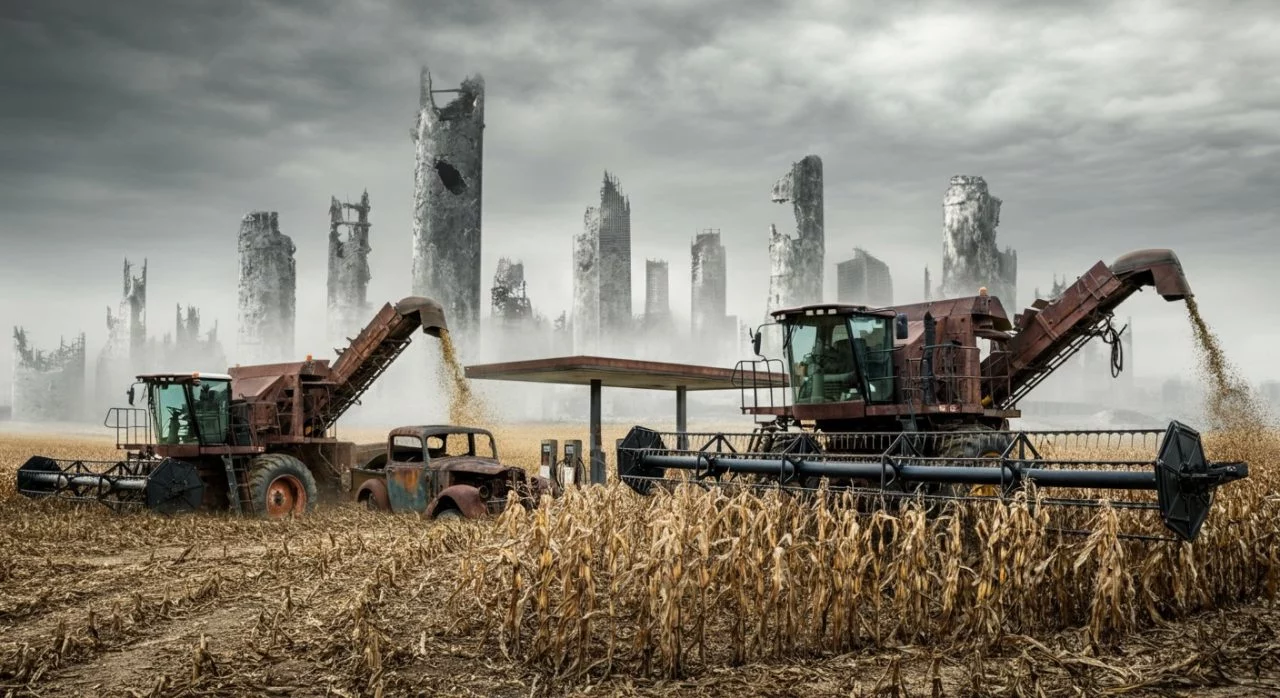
281	486
975	446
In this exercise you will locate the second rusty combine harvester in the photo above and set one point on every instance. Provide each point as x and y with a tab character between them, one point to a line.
257	439
905	401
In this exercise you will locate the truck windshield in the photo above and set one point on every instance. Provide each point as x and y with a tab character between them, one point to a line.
823	368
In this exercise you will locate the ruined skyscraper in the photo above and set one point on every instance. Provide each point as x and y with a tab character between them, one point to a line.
586	285
446	202
709	273
348	269
796	263
970	257
510	302
268	288
928	285
125	353
712	331
614	221
48	386
187	349
864	280
657	294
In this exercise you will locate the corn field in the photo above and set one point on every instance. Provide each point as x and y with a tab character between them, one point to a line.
683	592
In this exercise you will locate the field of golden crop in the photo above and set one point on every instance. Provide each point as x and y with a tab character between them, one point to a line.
604	592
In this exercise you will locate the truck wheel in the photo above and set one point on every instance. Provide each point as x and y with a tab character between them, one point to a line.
281	486
373	494
448	515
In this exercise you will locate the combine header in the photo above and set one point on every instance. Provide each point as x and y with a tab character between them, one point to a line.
906	402
258	439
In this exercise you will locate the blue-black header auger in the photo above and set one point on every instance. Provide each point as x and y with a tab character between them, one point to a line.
994	462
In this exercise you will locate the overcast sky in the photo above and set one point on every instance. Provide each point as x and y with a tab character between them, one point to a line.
149	129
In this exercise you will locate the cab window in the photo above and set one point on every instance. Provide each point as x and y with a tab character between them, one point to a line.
171	414
873	344
406	448
823	367
448	445
212	399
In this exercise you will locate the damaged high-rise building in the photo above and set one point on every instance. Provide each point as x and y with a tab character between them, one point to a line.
446	201
187	349
48	386
796	263
586	285
349	276
971	259
124	354
708	276
657	294
864	280
509	299
614	221
267	292
602	271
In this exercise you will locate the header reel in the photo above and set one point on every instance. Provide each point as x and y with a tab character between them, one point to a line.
164	485
923	464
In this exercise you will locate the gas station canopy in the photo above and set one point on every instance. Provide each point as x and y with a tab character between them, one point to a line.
599	371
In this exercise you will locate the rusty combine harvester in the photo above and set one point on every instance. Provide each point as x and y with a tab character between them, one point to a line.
258	439
902	402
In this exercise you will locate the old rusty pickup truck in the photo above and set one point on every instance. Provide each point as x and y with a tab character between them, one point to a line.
443	472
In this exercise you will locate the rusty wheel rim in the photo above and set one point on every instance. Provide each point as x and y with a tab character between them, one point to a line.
285	495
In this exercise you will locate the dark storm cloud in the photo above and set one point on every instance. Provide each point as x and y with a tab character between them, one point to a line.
131	126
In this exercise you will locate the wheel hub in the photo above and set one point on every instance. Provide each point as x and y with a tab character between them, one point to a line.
285	496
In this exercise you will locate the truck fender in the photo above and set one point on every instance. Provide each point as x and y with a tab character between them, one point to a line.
464	498
373	493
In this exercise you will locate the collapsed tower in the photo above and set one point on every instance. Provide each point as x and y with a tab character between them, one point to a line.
187	349
48	386
125	353
602	271
970	257
267	291
796	263
446	201
509	300
349	275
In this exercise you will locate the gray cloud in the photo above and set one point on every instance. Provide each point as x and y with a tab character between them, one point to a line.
148	129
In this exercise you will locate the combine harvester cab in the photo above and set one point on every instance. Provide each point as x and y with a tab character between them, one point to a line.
259	439
904	402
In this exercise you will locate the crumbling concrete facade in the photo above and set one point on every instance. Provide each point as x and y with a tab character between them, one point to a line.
267	291
614	221
709	274
509	298
348	282
970	257
586	285
864	280
449	144
796	263
126	351
48	386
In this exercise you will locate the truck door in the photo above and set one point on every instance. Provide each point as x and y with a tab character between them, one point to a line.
407	486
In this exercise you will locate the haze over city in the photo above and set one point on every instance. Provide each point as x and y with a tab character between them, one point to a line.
149	131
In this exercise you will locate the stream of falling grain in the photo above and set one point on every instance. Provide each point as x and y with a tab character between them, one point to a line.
1230	406
465	407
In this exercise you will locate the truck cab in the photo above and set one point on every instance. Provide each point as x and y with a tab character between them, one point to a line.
442	471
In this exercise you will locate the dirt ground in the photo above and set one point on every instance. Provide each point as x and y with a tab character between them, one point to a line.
349	602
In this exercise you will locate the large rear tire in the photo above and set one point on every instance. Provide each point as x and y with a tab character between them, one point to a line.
281	486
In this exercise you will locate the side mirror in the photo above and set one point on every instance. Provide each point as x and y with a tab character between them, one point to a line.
900	326
755	343
130	394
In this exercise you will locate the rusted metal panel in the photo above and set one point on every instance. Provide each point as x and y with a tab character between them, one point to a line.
464	498
407	486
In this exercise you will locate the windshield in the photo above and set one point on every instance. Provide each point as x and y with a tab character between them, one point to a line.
171	409
822	361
